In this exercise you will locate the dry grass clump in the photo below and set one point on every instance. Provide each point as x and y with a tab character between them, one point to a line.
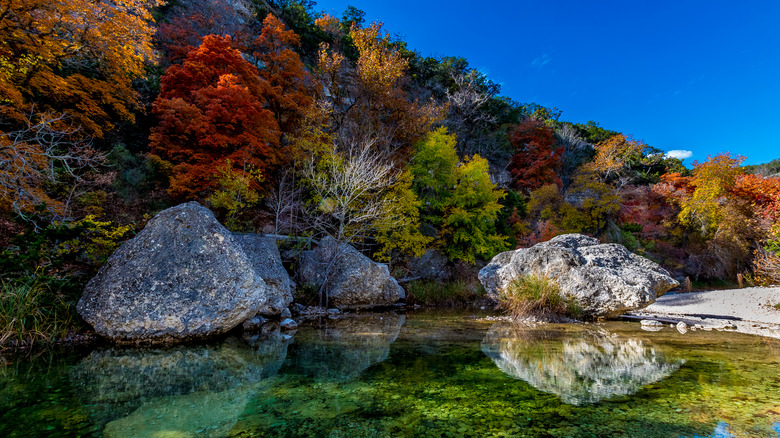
539	297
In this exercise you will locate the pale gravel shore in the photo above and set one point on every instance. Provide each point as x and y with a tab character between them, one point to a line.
749	310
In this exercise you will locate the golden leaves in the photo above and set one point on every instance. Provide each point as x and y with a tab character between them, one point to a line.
49	51
380	67
614	154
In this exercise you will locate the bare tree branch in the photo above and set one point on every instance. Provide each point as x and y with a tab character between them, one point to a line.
47	151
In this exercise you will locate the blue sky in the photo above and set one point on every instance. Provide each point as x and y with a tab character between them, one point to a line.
700	76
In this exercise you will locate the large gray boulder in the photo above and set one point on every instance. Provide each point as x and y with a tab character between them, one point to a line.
605	280
181	277
264	255
352	280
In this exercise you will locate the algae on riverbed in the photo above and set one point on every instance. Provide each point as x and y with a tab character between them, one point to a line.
430	379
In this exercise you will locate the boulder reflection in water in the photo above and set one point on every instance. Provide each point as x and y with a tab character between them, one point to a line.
579	365
342	349
143	391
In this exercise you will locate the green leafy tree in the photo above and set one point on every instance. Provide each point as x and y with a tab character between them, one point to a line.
399	231
433	169
471	211
458	199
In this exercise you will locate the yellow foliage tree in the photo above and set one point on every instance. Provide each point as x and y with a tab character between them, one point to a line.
236	191
369	100
73	56
705	206
614	155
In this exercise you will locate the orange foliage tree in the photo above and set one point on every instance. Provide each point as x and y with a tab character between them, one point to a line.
762	193
369	100
211	109
77	57
536	160
728	214
614	157
290	87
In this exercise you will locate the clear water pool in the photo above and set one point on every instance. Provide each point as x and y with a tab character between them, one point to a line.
425	374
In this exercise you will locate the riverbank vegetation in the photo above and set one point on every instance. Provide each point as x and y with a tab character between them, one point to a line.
287	120
454	293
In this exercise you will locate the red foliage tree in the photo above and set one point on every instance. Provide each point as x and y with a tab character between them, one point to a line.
536	160
290	86
762	193
211	109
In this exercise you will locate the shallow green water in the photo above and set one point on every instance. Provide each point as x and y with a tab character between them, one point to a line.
427	374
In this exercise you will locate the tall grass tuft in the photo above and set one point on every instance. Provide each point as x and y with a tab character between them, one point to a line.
30	312
537	296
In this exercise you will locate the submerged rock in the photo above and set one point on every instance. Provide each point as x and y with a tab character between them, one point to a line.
254	323
352	280
288	324
181	277
581	367
605	280
263	253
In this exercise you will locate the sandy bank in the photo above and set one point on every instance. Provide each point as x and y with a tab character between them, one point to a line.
748	310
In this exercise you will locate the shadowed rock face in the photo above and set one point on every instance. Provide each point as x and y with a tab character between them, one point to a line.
181	277
582	367
605	280
430	266
352	280
185	379
344	348
264	256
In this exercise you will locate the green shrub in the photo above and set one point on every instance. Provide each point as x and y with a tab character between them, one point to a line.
62	255
537	296
629	241
631	227
30	312
434	293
